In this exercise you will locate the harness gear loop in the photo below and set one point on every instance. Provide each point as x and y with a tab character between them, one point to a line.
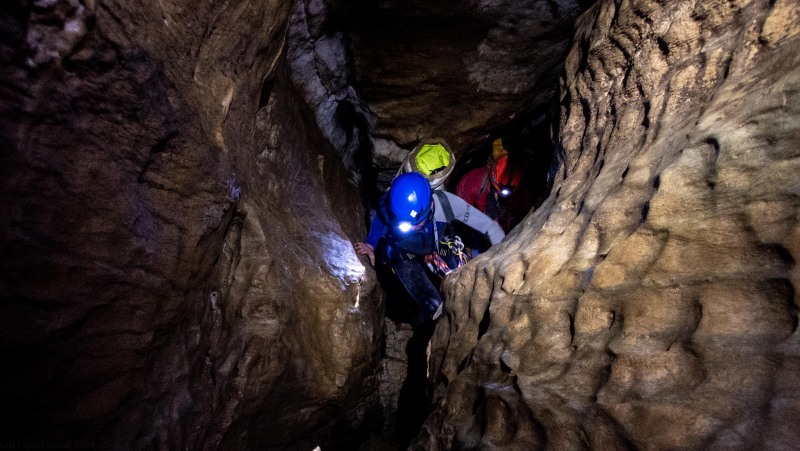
456	247
458	244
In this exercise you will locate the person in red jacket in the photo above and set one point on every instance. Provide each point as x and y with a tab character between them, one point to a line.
489	188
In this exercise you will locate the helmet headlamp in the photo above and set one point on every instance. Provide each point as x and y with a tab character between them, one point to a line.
409	201
505	177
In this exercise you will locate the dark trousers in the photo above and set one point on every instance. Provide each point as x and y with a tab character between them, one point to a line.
406	277
414	276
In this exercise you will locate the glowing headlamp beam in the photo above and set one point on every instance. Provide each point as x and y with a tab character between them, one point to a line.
404	226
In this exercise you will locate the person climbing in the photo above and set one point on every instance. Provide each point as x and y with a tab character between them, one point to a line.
489	188
432	158
410	241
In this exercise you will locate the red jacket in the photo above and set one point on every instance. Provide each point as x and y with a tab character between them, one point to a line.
475	188
469	187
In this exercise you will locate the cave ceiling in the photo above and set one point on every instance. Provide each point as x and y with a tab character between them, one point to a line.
459	70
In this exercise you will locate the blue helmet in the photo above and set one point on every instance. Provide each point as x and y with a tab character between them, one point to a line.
409	200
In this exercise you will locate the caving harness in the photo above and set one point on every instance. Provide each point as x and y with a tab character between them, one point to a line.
450	250
440	253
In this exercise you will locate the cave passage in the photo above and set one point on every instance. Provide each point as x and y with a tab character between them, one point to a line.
182	184
529	145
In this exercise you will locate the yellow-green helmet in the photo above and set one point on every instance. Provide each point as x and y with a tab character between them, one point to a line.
433	159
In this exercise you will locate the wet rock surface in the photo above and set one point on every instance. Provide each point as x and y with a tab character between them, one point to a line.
175	254
651	302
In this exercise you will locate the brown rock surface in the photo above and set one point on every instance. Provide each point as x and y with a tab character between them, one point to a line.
458	69
380	76
652	301
175	255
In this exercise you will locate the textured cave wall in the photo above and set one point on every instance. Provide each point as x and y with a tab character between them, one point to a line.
175	249
382	75
652	301
459	69
319	55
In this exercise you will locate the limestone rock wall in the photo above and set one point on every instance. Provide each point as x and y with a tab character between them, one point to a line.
457	69
319	55
381	76
175	261
652	301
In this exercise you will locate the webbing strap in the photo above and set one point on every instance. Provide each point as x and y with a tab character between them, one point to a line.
445	202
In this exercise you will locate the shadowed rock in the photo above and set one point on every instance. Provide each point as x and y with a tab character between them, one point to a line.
176	261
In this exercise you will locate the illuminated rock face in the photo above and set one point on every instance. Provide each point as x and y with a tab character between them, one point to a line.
175	250
652	301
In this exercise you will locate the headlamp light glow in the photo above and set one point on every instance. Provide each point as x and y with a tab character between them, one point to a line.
404	226
505	192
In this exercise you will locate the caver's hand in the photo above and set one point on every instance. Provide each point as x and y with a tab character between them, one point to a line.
366	249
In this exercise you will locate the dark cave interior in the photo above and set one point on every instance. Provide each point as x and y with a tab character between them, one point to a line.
182	185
